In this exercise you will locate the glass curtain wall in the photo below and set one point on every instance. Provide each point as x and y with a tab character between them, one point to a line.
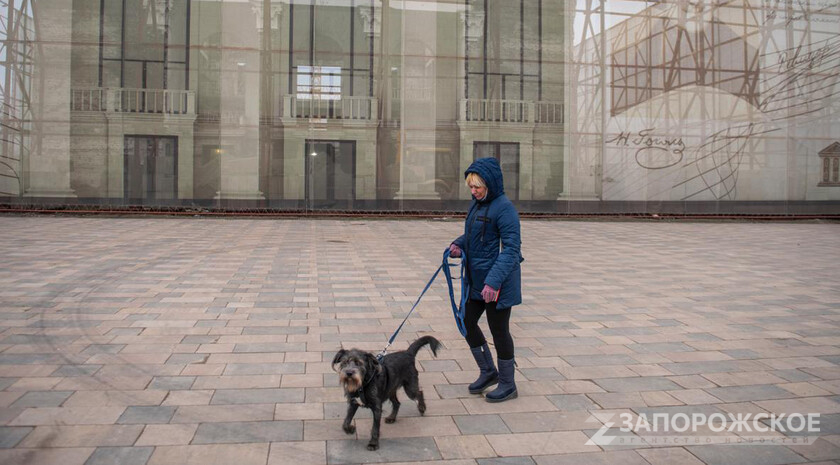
590	106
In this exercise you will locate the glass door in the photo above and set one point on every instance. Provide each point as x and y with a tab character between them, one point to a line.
151	169
330	174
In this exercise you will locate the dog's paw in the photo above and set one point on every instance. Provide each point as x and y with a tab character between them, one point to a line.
390	420
349	429
373	445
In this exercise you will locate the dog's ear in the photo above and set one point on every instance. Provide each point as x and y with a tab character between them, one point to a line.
372	364
339	356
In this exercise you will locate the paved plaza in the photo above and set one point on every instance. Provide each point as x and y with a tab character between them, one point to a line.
208	341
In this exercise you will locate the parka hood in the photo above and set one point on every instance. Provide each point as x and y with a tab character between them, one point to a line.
491	172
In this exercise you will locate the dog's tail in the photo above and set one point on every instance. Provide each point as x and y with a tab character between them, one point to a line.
434	344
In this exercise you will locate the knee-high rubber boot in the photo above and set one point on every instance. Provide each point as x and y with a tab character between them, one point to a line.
506	388
488	376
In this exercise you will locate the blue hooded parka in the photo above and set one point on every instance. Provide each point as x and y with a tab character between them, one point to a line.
492	239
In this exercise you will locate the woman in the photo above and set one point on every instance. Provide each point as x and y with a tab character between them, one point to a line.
491	239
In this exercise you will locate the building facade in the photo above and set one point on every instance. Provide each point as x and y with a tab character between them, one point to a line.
590	106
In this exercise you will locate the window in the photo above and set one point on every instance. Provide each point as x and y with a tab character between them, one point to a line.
503	50
143	44
319	82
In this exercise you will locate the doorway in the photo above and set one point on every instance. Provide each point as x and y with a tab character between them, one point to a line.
151	168
330	174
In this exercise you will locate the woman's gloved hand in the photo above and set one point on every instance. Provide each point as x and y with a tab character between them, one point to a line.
454	250
489	294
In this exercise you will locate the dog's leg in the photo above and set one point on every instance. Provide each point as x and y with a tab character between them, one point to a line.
351	410
413	391
396	403
374	430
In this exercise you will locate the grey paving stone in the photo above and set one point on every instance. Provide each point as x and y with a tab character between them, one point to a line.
454	391
667	322
94	349
269	330
673	410
600	317
696	368
146	415
572	402
40	339
180	359
120	455
660	347
264	368
750	393
727	454
623	457
42	399
596	360
11	435
36	359
541	373
257	396
547	326
829	425
569	341
794	375
270	347
646	383
439	365
6	382
170	383
741	354
244	432
530	422
390	450
199	339
68	371
507	461
480	424
631	331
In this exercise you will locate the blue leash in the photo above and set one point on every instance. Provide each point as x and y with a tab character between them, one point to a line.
457	311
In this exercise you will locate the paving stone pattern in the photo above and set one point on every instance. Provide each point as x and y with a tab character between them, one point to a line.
209	341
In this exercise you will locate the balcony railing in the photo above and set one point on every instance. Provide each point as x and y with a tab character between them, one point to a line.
511	111
144	101
548	113
345	108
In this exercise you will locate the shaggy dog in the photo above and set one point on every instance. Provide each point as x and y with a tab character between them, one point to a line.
368	382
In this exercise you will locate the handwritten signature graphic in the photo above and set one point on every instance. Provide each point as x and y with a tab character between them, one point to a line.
650	148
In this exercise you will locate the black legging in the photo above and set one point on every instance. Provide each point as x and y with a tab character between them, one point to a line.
499	321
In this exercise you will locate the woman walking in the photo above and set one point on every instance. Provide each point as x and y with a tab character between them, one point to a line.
492	241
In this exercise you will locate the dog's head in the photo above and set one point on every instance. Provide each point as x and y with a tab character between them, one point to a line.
354	368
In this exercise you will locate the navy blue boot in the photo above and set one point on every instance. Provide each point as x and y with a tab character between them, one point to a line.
506	388
488	376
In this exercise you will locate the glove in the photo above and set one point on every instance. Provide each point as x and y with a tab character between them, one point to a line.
489	294
454	250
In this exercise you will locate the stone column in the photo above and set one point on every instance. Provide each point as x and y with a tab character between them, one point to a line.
240	104
584	111
418	117
48	170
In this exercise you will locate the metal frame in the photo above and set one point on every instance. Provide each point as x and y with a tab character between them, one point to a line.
690	39
18	29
